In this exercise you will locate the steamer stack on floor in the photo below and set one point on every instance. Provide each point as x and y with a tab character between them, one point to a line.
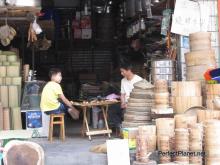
141	100
212	92
162	98
10	90
200	58
185	94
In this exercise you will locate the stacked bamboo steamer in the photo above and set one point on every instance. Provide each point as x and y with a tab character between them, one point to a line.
182	145
212	143
145	142
165	127
10	89
165	147
196	143
212	92
204	115
185	94
201	57
139	106
162	97
150	132
142	146
183	120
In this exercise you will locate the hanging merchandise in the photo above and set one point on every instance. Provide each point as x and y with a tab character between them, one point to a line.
166	21
130	8
142	22
146	6
7	34
138	6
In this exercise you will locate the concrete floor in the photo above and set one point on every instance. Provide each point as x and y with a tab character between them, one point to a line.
75	149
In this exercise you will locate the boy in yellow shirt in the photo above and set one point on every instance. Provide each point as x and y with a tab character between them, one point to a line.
53	100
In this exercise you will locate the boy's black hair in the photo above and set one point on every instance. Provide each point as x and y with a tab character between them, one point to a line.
125	63
54	71
126	66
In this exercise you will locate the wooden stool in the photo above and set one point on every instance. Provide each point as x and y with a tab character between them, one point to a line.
59	121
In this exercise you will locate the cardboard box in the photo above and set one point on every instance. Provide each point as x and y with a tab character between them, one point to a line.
86	33
130	134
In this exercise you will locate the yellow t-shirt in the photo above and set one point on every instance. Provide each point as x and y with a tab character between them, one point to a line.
50	95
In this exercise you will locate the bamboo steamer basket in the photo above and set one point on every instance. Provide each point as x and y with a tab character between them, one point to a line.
13	96
197	72
139	95
16	117
133	100
198	45
16	63
5	63
212	124
146	91
2	71
183	120
161	106
161	86
181	104
140	104
1	117
200	36
165	126
8	80
136	118
200	58
2	80
12	58
181	88
162	98
142	148
148	129
182	160
152	143
212	89
6	119
16	81
13	71
3	58
4	95
203	115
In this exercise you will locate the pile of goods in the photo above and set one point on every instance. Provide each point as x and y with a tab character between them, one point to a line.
185	94
182	145
7	34
145	144
165	147
212	144
212	96
195	142
141	100
201	56
165	127
10	90
162	99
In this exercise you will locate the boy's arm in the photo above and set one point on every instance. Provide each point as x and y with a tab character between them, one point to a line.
65	100
123	103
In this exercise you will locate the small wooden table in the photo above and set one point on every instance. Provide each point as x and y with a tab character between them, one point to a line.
85	106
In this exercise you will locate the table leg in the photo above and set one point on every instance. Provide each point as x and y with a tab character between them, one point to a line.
86	121
105	118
